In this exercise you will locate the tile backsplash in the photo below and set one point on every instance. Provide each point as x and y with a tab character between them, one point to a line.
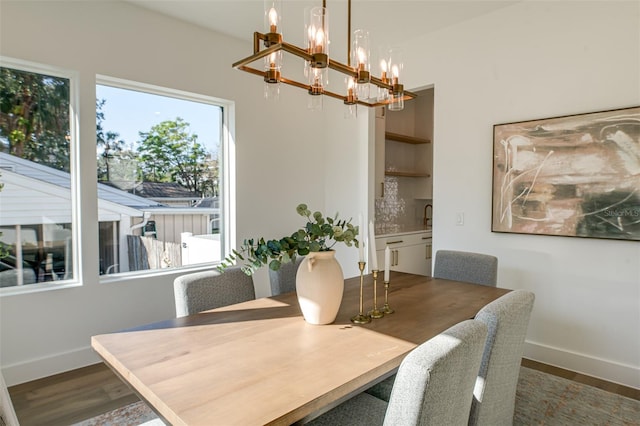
398	211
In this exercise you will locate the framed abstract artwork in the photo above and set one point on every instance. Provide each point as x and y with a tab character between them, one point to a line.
576	175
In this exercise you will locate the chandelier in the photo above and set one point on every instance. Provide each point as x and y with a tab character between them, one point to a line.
270	47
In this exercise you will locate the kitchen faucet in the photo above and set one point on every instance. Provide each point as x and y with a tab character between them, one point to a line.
425	217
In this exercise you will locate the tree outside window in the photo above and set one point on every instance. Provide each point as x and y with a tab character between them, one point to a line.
35	156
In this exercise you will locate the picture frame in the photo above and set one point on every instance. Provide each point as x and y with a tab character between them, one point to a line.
575	175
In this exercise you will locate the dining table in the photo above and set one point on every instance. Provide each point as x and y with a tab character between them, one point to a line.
259	362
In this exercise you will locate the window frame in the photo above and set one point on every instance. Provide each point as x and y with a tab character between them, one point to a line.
74	173
227	171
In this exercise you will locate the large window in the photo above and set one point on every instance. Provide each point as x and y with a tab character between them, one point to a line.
37	220
163	165
160	174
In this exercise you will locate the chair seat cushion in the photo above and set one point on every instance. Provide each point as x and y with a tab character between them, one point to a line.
361	410
382	390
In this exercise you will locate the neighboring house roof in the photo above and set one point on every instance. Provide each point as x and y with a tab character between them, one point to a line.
208	203
57	177
27	201
158	190
40	185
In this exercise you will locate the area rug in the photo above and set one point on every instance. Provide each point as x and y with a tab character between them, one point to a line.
541	399
544	399
134	414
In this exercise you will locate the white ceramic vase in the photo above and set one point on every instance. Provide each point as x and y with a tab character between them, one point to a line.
319	284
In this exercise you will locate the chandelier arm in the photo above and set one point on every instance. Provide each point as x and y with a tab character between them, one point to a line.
409	95
251	70
334	95
307	87
258	55
295	50
376	81
295	83
342	68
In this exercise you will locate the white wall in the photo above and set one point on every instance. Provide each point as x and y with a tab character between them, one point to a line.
281	162
536	60
346	176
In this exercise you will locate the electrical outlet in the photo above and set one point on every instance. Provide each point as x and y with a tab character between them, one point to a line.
460	219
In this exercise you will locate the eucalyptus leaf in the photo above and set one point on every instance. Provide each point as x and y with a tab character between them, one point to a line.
319	233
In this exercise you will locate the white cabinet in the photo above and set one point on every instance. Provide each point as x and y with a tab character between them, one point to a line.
410	253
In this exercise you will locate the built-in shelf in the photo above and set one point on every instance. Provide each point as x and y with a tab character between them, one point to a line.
405	139
405	174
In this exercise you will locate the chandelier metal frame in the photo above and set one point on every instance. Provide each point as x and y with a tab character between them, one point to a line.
273	43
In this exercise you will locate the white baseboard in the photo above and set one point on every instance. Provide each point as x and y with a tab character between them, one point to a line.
627	375
33	369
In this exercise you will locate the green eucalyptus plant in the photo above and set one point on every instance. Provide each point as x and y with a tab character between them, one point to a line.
319	234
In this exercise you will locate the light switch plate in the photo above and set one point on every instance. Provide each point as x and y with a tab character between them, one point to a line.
460	219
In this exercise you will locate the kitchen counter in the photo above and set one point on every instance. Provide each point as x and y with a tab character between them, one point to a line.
402	230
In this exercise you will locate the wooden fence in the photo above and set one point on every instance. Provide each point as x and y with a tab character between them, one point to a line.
149	253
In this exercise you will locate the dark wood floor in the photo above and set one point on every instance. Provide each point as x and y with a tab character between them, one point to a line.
80	394
70	397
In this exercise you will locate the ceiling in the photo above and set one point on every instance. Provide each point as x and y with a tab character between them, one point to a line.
388	21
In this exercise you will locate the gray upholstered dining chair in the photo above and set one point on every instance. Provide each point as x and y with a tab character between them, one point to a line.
494	396
434	384
201	291
466	266
284	279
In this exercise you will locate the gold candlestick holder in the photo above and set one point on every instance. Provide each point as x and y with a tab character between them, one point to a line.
375	312
361	318
386	308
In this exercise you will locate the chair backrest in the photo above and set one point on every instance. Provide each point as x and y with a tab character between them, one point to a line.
284	279
507	319
7	413
201	291
434	384
466	266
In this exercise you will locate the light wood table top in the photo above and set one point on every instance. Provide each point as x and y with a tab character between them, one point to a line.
259	362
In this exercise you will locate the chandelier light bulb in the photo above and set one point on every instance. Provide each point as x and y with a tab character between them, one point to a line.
316	90
362	56
383	93
272	15
351	110
319	44
352	91
318	32
395	63
360	50
273	20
